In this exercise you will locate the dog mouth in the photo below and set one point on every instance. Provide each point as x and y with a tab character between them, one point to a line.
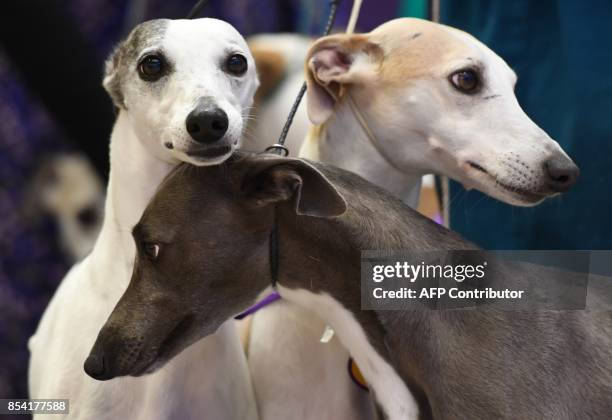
210	152
169	346
518	193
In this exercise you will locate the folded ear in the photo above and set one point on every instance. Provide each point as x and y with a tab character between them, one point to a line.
334	62
271	179
111	81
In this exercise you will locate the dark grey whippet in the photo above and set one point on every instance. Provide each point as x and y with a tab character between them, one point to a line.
203	256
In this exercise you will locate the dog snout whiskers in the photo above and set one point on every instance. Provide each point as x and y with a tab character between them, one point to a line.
130	354
521	174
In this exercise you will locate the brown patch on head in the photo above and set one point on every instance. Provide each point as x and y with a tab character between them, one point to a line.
416	48
271	69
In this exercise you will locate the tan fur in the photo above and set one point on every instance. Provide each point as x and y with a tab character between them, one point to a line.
309	147
426	49
398	56
271	68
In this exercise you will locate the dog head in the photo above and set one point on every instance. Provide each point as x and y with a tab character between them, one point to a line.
67	187
186	86
202	256
452	96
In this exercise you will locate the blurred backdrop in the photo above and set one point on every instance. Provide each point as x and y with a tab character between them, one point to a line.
55	122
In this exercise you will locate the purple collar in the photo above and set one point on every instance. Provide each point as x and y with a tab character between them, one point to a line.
272	297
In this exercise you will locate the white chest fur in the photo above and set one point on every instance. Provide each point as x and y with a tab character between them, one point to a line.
391	392
209	378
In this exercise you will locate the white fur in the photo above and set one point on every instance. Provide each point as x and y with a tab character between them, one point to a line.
208	380
196	48
391	392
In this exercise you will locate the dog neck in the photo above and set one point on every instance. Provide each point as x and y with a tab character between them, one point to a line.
320	286
135	174
373	220
332	284
343	142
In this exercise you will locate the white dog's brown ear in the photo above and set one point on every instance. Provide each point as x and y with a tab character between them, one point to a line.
111	81
335	62
275	179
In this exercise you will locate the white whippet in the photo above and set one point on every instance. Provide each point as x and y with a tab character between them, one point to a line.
432	99
183	90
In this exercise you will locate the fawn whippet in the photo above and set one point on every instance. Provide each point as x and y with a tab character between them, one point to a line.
434	99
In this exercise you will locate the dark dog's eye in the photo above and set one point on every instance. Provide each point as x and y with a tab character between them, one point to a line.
236	64
151	68
151	250
465	81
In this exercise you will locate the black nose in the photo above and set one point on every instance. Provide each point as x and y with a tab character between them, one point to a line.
562	173
206	125
94	366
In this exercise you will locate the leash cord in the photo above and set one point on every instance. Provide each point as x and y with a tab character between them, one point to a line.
273	253
434	11
350	27
279	147
196	9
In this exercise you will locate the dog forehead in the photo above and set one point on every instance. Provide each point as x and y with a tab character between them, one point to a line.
206	38
487	56
415	47
145	35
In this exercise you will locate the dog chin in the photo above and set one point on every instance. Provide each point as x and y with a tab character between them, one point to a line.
149	368
519	199
507	194
207	156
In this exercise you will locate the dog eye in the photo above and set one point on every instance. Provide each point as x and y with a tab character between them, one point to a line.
236	64
465	81
151	250
151	68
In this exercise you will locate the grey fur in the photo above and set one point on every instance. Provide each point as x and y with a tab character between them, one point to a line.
125	55
213	224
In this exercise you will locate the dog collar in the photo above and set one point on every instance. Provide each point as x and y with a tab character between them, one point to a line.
273	257
353	370
271	298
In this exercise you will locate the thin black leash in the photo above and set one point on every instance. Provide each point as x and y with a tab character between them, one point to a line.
280	149
196	9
